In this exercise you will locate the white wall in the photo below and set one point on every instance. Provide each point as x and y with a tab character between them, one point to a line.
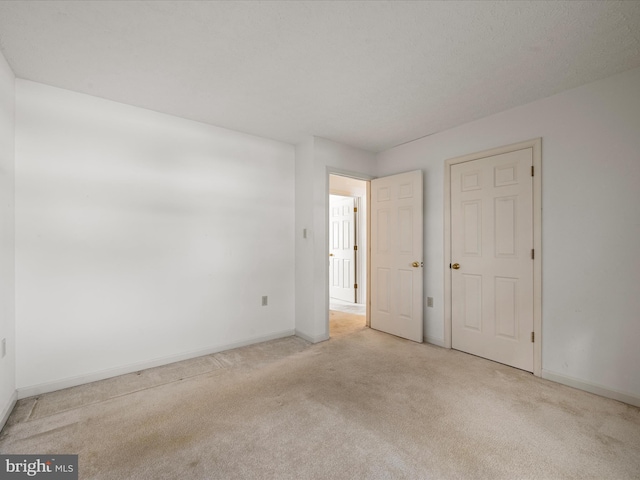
7	282
142	238
591	226
305	243
316	158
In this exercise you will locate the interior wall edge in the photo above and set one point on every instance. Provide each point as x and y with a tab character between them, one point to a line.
592	388
7	409
7	240
438	342
41	388
312	338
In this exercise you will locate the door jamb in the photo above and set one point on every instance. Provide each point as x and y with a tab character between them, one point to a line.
366	178
536	145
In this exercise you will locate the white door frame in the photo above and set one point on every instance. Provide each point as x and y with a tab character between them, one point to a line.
367	273
536	145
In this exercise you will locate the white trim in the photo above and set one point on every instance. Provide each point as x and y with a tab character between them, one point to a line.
536	145
347	173
439	342
360	240
368	253
8	408
592	388
537	262
367	272
312	339
38	389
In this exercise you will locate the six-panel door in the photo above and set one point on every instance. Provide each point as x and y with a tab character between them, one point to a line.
342	258
396	255
492	241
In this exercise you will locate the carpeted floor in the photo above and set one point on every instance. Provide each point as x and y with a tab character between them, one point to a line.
362	405
341	323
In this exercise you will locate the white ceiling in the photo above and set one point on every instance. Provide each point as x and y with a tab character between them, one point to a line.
369	74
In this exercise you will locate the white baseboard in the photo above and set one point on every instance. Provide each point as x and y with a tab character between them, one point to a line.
592	388
434	341
312	339
41	388
7	409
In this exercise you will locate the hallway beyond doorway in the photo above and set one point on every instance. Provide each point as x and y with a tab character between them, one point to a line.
347	307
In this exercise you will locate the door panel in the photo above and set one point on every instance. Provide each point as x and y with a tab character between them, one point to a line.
396	220
472	213
342	264
492	240
506	292
472	285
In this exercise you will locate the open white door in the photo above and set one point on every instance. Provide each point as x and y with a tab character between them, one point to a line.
396	255
342	259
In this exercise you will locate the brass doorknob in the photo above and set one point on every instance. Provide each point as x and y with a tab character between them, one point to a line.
455	266
331	254
415	264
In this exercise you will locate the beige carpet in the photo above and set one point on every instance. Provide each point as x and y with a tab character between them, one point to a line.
362	405
342	323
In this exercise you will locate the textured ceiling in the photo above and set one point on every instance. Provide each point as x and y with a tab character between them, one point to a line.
368	74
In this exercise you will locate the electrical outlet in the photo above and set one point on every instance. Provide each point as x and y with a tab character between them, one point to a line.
4	347
429	301
265	301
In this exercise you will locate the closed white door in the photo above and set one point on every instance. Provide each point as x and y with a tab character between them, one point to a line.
492	258
342	258
396	255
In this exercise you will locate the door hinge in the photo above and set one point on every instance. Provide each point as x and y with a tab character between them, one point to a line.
532	170
533	254
355	247
355	286
533	337
355	209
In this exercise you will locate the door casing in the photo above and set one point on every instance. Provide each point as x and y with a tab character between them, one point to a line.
367	272
536	146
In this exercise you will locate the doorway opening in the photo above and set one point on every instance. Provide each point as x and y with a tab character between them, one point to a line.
348	255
